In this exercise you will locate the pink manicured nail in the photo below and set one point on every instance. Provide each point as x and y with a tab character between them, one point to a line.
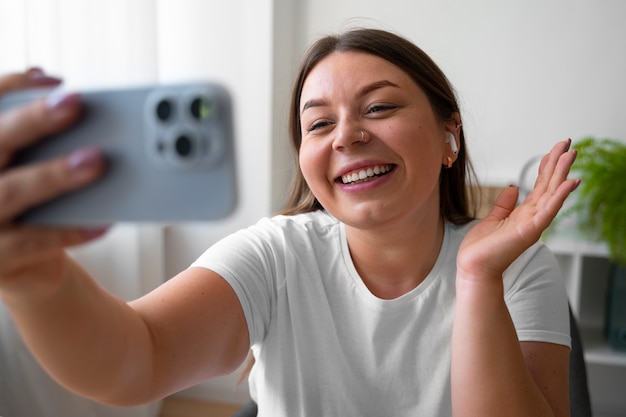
39	77
84	158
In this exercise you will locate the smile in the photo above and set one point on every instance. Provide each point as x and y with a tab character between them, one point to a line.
365	174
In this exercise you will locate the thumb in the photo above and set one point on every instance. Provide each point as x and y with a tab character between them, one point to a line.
504	204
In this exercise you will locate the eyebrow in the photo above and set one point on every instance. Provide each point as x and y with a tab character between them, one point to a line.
363	92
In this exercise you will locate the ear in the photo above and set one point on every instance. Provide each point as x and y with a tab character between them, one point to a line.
452	128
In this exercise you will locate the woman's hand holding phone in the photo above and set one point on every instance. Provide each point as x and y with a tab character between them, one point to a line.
32	254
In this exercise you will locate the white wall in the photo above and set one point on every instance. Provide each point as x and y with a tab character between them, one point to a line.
528	72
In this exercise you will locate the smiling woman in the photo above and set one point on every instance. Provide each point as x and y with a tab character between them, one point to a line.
403	139
421	71
383	290
358	107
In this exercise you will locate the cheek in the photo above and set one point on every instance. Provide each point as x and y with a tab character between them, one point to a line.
308	160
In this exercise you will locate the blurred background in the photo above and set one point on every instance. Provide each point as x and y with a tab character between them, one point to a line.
527	72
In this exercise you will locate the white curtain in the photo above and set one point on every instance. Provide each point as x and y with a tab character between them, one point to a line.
127	262
91	44
88	42
95	43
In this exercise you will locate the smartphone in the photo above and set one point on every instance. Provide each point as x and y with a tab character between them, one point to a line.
169	152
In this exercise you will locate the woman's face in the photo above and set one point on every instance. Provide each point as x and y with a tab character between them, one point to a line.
402	150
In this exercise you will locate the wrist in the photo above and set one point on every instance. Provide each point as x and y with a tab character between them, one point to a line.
36	285
478	287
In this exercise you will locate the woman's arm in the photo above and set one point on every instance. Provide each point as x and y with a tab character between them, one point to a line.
190	329
493	374
95	344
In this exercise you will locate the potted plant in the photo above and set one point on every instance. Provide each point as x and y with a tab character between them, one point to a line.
600	214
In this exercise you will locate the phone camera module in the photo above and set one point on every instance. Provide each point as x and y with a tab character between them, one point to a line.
201	108
184	146
164	110
186	128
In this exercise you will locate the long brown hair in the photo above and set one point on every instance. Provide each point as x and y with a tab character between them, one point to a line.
454	183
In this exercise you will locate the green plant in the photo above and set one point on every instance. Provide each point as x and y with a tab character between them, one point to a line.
600	200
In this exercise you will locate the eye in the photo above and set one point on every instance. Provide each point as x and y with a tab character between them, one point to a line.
317	125
379	108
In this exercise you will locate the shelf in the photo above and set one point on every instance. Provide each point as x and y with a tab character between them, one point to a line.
560	245
597	349
586	267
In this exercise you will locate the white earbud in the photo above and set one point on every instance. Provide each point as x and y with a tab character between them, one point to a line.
452	141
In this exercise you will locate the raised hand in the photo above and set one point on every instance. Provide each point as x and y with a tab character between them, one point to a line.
496	241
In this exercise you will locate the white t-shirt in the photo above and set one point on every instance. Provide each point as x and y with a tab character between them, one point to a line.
326	346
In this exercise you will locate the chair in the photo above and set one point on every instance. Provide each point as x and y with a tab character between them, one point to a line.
580	403
248	410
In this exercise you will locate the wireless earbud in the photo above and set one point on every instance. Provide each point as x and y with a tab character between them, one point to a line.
452	141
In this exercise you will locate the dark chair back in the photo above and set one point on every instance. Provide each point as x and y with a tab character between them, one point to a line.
580	403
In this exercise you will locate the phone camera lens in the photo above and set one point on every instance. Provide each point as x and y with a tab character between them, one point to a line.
201	108
184	146
164	110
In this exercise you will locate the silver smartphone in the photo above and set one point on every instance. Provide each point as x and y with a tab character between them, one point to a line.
169	151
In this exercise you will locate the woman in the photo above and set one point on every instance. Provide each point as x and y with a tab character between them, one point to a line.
373	295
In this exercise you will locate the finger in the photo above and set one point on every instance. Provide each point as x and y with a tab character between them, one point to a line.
561	170
558	149
21	246
33	77
558	176
23	125
24	187
547	167
558	197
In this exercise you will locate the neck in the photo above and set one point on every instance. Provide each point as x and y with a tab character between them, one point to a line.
394	262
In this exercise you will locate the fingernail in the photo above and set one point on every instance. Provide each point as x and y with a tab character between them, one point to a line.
39	77
84	158
35	73
59	100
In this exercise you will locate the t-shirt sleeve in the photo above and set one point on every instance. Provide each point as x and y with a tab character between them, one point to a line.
248	261
536	297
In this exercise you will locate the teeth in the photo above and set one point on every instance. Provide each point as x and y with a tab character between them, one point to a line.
364	173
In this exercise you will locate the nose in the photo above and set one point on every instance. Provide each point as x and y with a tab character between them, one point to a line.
352	136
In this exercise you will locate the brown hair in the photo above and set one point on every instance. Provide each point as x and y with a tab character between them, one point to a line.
454	182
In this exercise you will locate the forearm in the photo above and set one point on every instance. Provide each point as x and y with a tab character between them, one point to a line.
489	373
85	338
